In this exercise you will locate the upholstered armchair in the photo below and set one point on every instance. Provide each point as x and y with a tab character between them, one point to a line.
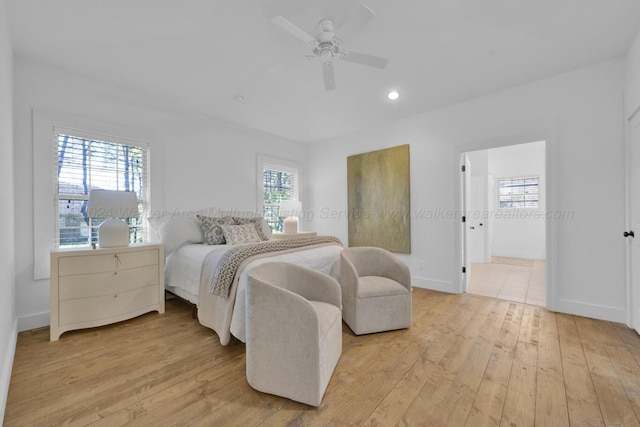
376	290
294	331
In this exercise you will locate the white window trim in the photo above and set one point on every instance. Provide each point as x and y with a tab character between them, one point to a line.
497	186
278	163
44	121
111	139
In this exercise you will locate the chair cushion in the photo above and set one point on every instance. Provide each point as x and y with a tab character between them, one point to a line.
376	286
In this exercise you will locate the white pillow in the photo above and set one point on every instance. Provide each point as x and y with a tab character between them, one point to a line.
236	234
175	230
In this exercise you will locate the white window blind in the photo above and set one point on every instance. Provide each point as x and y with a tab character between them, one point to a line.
84	163
521	192
279	183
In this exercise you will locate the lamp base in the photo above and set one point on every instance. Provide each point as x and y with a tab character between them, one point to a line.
112	233
291	225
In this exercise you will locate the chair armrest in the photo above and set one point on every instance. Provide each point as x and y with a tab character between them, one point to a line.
315	286
271	307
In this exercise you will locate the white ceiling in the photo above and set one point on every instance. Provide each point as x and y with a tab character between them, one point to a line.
197	55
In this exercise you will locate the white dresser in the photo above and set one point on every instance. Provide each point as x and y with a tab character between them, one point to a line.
95	287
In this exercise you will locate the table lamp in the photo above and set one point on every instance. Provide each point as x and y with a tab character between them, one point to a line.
290	209
113	205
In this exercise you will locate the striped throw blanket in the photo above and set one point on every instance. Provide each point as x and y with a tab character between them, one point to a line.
222	278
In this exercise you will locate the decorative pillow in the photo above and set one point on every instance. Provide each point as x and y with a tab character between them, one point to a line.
176	230
211	231
257	222
236	234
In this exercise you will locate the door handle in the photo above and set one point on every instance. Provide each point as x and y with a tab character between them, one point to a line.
629	233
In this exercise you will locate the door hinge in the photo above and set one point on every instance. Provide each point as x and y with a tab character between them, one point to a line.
464	219
464	168
464	269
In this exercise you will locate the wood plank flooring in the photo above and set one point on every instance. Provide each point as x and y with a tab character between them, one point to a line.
467	360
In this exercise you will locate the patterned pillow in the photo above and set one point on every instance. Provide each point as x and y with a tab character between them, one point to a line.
236	234
211	230
257	222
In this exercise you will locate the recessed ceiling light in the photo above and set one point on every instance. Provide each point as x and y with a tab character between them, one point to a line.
238	98
393	95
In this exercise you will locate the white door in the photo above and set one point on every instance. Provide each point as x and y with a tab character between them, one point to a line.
634	192
476	219
466	184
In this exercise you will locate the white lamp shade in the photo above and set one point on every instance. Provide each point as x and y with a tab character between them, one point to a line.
290	209
110	204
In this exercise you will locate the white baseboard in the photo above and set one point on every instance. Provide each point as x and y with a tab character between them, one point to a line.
576	308
434	285
518	254
33	321
7	365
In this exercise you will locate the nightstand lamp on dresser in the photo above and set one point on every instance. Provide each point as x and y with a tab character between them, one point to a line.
95	287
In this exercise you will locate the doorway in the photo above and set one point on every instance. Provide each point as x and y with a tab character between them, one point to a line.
504	232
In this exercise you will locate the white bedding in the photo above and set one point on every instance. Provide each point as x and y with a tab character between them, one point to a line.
183	267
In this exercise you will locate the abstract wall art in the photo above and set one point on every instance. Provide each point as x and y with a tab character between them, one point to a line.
379	199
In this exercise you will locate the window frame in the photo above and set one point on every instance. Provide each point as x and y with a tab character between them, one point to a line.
284	165
141	222
519	177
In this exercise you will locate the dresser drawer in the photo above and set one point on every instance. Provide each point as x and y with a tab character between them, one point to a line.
92	285
107	306
106	262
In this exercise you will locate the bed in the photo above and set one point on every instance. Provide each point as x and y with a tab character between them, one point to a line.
192	266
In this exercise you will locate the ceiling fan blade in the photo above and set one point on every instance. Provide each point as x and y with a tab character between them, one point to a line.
328	76
355	22
364	59
292	29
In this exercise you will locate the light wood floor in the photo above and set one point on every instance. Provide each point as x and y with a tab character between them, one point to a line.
467	360
513	279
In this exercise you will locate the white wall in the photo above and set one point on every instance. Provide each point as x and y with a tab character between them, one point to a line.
196	161
632	89
8	324
518	233
580	112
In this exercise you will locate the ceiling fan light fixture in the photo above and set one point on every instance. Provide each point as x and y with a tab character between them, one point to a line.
393	95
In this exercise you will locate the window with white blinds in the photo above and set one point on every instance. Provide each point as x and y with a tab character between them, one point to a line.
87	163
521	192
279	183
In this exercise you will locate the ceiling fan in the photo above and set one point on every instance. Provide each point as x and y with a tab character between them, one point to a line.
327	47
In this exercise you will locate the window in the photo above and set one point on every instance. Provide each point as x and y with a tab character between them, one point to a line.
278	180
518	192
85	163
